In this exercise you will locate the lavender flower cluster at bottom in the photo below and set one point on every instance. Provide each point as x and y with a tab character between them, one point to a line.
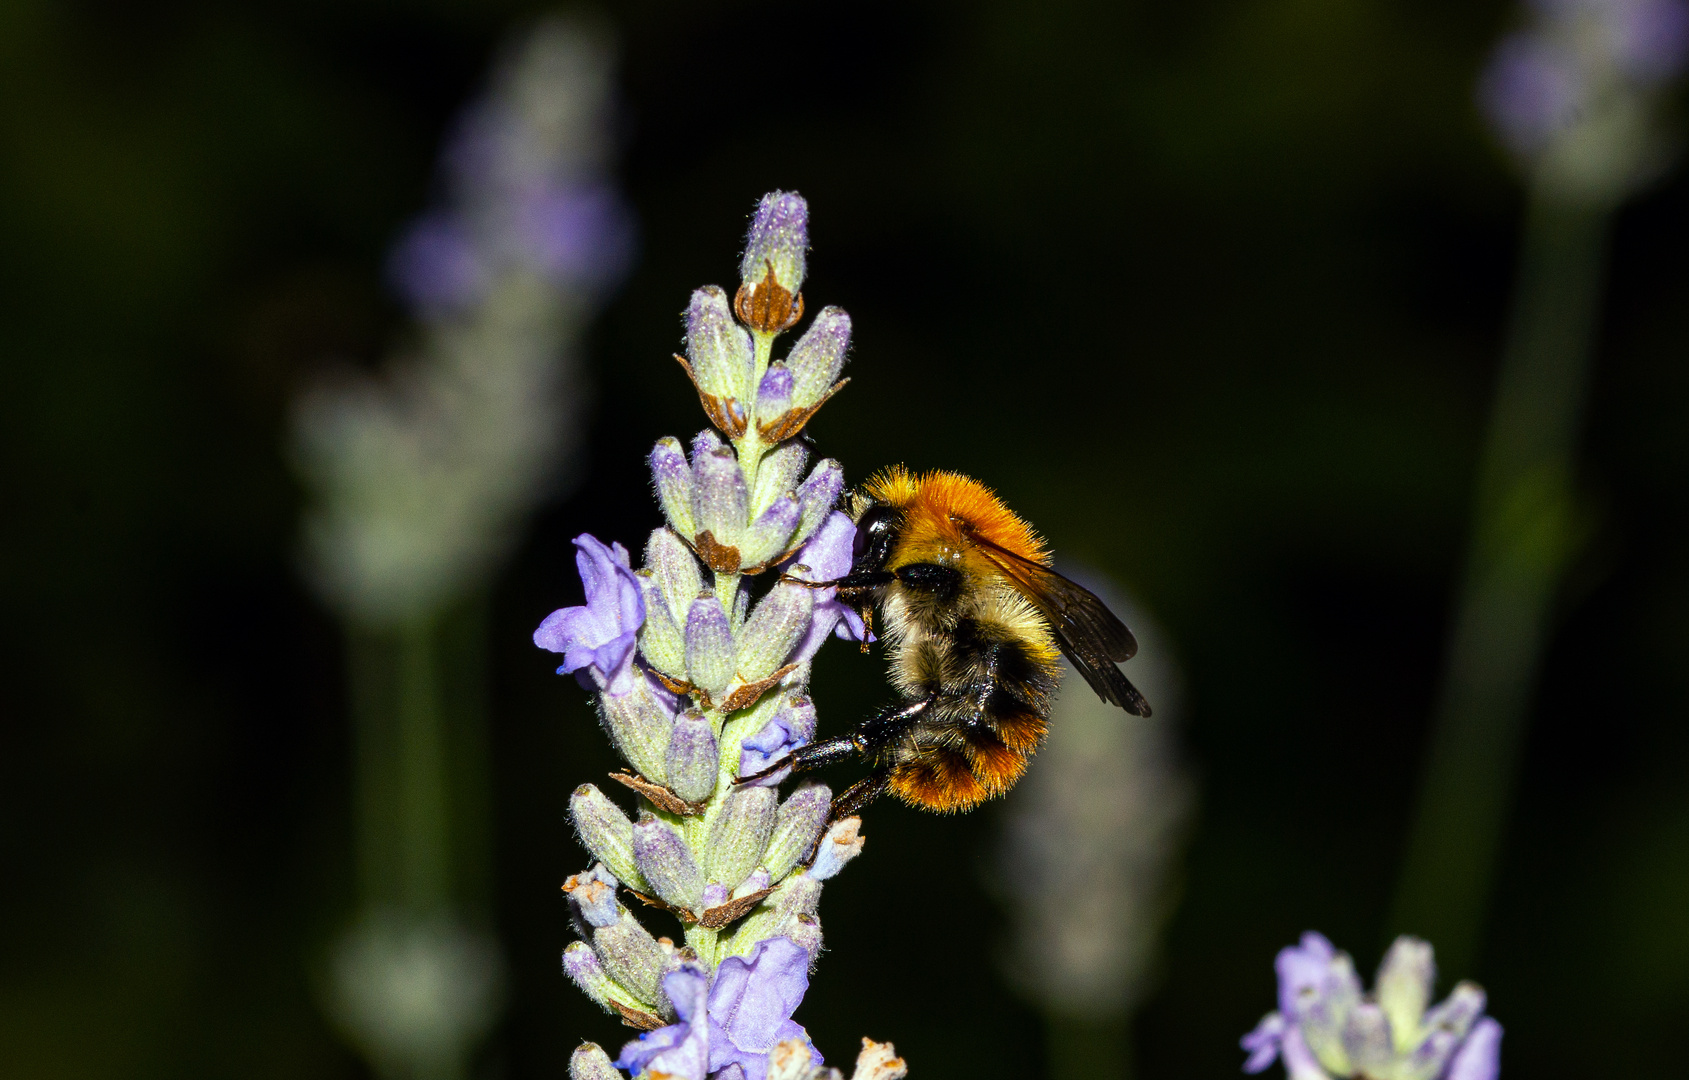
1326	1026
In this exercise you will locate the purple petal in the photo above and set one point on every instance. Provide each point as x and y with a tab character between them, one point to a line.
1263	1043
753	999
793	726
600	635
1302	971
1479	1058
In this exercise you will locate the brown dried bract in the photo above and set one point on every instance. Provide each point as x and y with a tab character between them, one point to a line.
767	305
680	913
724	413
658	795
638	1018
674	686
747	695
792	421
722	558
719	916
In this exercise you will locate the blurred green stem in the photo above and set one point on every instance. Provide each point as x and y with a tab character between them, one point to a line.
423	832
1097	1048
1525	530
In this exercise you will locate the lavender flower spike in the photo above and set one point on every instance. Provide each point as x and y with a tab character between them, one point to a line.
1327	1027
598	638
696	686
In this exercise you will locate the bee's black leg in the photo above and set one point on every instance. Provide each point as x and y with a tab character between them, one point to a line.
813	756
872	736
860	794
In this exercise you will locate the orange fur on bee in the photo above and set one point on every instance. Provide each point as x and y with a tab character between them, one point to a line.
939	508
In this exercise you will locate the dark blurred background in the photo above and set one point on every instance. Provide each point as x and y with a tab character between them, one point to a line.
1212	292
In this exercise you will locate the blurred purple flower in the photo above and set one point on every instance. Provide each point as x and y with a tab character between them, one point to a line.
1327	1026
733	1021
1531	91
435	265
576	234
598	638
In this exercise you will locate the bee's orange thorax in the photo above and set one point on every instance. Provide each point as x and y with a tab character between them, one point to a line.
943	514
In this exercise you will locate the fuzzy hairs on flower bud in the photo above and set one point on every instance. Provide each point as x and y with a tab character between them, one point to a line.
819	356
774	393
740	836
691	765
661	641
818	494
842	843
779	473
675	570
775	627
671	475
711	655
778	242
721	505
607	833
771	534
667	863
639	723
590	1062
592	895
721	353
805	931
797	824
631	956
582	966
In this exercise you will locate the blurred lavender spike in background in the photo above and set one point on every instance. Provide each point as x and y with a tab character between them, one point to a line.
421	480
1573	93
418	485
1089	844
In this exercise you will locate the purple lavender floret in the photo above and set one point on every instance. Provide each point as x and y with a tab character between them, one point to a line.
793	726
1327	1026
733	1021
825	557
597	639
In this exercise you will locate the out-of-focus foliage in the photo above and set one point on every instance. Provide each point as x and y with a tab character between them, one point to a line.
1212	292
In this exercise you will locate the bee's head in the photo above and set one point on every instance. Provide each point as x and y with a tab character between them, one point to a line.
876	530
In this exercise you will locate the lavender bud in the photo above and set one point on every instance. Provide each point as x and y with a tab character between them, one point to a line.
593	896
1457	1012
740	835
805	932
582	966
676	570
660	641
710	652
590	1062
779	237
1404	983
778	473
714	896
672	477
757	881
842	843
631	956
779	620
639	723
818	495
667	863
1366	1039
692	757
774	393
798	895
771	534
819	356
722	503
720	349
796	825
607	833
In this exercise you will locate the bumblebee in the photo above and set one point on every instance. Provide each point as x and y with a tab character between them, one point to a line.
974	621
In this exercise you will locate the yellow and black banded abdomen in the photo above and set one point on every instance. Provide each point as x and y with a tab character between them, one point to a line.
989	685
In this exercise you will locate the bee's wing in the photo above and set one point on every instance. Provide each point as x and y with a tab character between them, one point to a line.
1091	636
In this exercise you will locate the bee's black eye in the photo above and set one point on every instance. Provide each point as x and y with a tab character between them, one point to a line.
875	530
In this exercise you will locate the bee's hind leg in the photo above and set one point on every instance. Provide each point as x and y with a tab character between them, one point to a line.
858	795
813	756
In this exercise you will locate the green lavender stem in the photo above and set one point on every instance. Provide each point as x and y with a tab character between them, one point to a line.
1525	530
